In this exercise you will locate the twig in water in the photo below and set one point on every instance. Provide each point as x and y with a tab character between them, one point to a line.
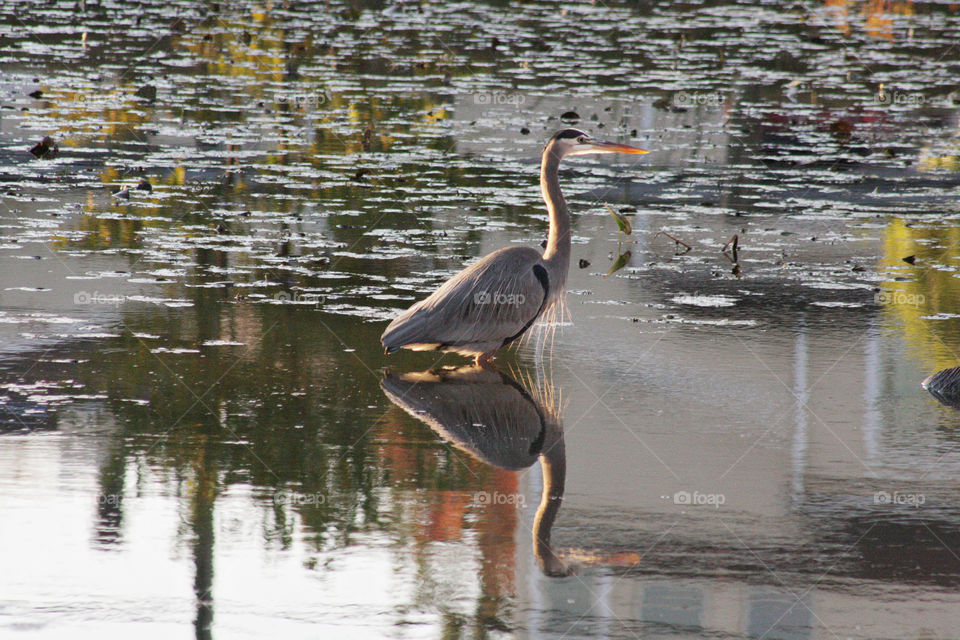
735	260
679	242
735	241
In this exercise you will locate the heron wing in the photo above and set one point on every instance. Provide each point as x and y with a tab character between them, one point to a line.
493	300
483	412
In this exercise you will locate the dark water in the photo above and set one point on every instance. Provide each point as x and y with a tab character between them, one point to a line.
198	436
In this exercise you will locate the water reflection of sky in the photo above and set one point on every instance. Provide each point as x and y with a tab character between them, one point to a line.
194	433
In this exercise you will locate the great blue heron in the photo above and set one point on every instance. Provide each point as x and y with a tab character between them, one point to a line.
494	301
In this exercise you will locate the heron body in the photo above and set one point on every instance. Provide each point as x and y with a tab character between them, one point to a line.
496	300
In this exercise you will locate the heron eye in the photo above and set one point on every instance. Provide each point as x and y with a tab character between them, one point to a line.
581	139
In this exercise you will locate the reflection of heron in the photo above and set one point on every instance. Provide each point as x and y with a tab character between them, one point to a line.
497	420
494	301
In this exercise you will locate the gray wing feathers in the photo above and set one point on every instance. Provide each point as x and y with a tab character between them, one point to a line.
484	413
492	300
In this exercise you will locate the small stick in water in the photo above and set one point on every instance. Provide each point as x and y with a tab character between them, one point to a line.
735	260
735	241
675	240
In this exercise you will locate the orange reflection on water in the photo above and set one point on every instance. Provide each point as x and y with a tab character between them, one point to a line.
878	16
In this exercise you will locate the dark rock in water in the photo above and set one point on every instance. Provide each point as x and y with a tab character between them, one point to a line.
36	95
910	259
841	130
785	61
673	105
45	149
144	185
584	263
945	386
570	117
524	131
147	92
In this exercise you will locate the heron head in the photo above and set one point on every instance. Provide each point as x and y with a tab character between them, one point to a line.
573	142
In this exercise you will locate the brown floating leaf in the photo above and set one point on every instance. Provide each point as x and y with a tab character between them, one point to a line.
366	138
45	149
910	259
147	92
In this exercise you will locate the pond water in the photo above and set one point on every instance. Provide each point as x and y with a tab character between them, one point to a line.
201	436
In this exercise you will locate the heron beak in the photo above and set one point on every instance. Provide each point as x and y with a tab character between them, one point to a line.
602	146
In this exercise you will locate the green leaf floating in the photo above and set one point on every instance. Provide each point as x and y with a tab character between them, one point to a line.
622	222
620	263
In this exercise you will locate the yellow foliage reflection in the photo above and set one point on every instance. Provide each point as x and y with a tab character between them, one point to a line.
928	298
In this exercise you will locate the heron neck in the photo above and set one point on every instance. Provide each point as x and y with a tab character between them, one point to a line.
553	462
558	240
